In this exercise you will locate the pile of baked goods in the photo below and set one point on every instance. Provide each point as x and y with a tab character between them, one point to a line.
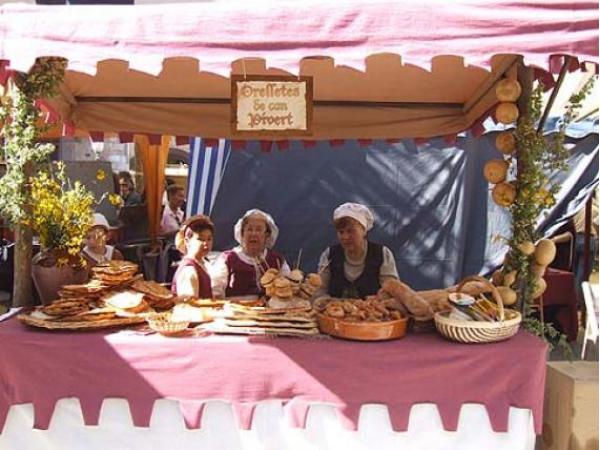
114	296
293	290
238	319
353	310
114	273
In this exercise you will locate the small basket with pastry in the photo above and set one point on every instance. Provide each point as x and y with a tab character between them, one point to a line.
477	321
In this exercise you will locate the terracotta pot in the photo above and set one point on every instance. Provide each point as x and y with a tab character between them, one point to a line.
48	280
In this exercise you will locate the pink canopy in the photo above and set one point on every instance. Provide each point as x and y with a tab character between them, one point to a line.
442	58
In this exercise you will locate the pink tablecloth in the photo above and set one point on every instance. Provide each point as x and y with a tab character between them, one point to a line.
42	367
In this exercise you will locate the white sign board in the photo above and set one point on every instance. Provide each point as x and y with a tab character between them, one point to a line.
271	105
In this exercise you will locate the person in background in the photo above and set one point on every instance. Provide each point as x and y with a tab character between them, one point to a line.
168	182
127	190
355	267
95	249
237	272
173	215
194	240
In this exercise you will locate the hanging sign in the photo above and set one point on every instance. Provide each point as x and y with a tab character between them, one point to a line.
264	105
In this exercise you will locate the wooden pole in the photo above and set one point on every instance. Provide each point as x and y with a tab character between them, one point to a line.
561	77
587	231
525	79
22	292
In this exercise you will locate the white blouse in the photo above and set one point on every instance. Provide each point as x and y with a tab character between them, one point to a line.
354	268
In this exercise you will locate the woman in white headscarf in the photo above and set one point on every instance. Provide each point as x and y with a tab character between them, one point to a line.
356	267
237	272
96	250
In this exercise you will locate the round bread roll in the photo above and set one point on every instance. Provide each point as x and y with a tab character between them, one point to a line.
507	113
508	90
539	288
527	248
509	297
545	252
506	143
296	276
282	283
495	171
510	278
314	279
267	278
504	194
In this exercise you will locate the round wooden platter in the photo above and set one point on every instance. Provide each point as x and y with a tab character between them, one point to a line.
27	319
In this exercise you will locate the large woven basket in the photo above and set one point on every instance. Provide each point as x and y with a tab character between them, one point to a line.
476	332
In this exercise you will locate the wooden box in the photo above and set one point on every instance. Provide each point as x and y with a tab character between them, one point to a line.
571	406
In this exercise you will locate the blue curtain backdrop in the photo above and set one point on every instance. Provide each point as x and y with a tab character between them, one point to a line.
432	206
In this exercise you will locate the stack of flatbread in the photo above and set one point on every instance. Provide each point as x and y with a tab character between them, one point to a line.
114	272
266	321
156	296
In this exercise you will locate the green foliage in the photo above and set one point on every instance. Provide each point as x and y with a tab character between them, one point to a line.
21	150
537	158
547	332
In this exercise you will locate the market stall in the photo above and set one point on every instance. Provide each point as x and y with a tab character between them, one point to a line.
159	91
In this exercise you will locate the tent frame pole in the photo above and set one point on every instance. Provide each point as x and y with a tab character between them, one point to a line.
561	77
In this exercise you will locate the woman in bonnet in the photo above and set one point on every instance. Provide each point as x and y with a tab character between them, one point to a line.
355	267
237	272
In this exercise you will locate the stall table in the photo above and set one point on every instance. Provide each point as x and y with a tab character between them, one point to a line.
310	387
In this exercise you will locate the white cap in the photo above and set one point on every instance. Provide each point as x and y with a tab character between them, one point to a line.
100	221
356	211
237	230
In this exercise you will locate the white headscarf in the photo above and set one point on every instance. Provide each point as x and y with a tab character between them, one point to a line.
100	221
356	211
237	230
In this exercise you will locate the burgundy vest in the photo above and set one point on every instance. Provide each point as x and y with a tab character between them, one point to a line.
205	288
242	276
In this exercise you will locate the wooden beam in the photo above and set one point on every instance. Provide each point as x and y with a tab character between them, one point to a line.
227	101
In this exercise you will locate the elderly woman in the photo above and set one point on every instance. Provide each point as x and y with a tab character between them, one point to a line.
194	240
237	272
96	250
356	267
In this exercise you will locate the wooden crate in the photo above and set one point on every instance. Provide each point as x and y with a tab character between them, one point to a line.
571	406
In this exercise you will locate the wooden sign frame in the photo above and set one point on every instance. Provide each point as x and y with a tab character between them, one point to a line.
271	133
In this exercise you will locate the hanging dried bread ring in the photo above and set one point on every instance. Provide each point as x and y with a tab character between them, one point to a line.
508	90
506	142
504	194
495	171
507	113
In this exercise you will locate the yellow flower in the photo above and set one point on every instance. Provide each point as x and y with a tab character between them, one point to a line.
100	175
63	261
115	199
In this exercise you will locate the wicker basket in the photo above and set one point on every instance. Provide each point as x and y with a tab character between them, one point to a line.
162	323
473	332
